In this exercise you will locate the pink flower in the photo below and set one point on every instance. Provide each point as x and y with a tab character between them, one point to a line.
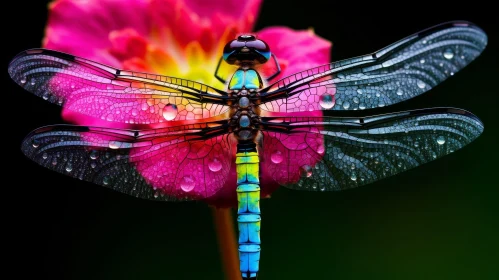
179	39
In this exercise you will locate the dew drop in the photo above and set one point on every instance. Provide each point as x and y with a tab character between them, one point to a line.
114	144
276	157
381	104
448	54
378	94
135	112
72	85
400	92
359	91
362	106
440	140
33	81
23	80
69	167
346	105
170	112
353	177
93	164
94	155
215	165
422	61
326	101
306	171
356	100
45	156
105	181
36	143
187	183
54	161
144	106
416	144
321	149
421	84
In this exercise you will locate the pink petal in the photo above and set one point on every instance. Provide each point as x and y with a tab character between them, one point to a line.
295	50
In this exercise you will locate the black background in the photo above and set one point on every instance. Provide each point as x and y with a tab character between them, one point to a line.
438	221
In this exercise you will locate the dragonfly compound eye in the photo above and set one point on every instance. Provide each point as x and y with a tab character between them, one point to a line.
246	49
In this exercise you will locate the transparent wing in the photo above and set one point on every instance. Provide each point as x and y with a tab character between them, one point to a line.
327	153
178	163
103	92
396	73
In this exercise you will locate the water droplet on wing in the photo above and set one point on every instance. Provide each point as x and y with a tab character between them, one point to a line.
276	157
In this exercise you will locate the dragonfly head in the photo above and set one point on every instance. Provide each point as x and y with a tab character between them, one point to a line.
246	49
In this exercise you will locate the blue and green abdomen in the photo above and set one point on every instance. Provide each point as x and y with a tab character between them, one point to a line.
248	196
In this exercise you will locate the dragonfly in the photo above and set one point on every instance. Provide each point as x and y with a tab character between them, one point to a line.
191	141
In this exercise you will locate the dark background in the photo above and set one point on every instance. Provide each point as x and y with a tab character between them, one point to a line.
438	221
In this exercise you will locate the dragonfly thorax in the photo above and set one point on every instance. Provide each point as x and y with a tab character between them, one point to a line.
245	110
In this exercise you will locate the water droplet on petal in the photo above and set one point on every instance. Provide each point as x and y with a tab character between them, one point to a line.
356	100
72	85
448	54
187	183
276	157
144	106
23	80
33	81
362	106
359	91
105	181
54	161
422	61
346	105
400	92
416	144
381	104
45	156
170	112
440	140
156	194
215	165
326	101
306	171
421	84
93	164
135	112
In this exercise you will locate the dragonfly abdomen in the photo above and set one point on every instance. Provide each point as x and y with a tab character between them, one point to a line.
248	197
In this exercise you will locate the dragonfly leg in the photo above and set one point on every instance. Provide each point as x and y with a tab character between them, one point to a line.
216	72
278	71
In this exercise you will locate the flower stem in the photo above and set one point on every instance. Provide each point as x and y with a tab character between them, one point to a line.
224	225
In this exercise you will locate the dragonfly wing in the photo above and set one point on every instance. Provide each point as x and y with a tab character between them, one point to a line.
177	163
396	73
327	153
103	92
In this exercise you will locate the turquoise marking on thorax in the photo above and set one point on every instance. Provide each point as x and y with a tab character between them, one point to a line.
245	78
248	197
